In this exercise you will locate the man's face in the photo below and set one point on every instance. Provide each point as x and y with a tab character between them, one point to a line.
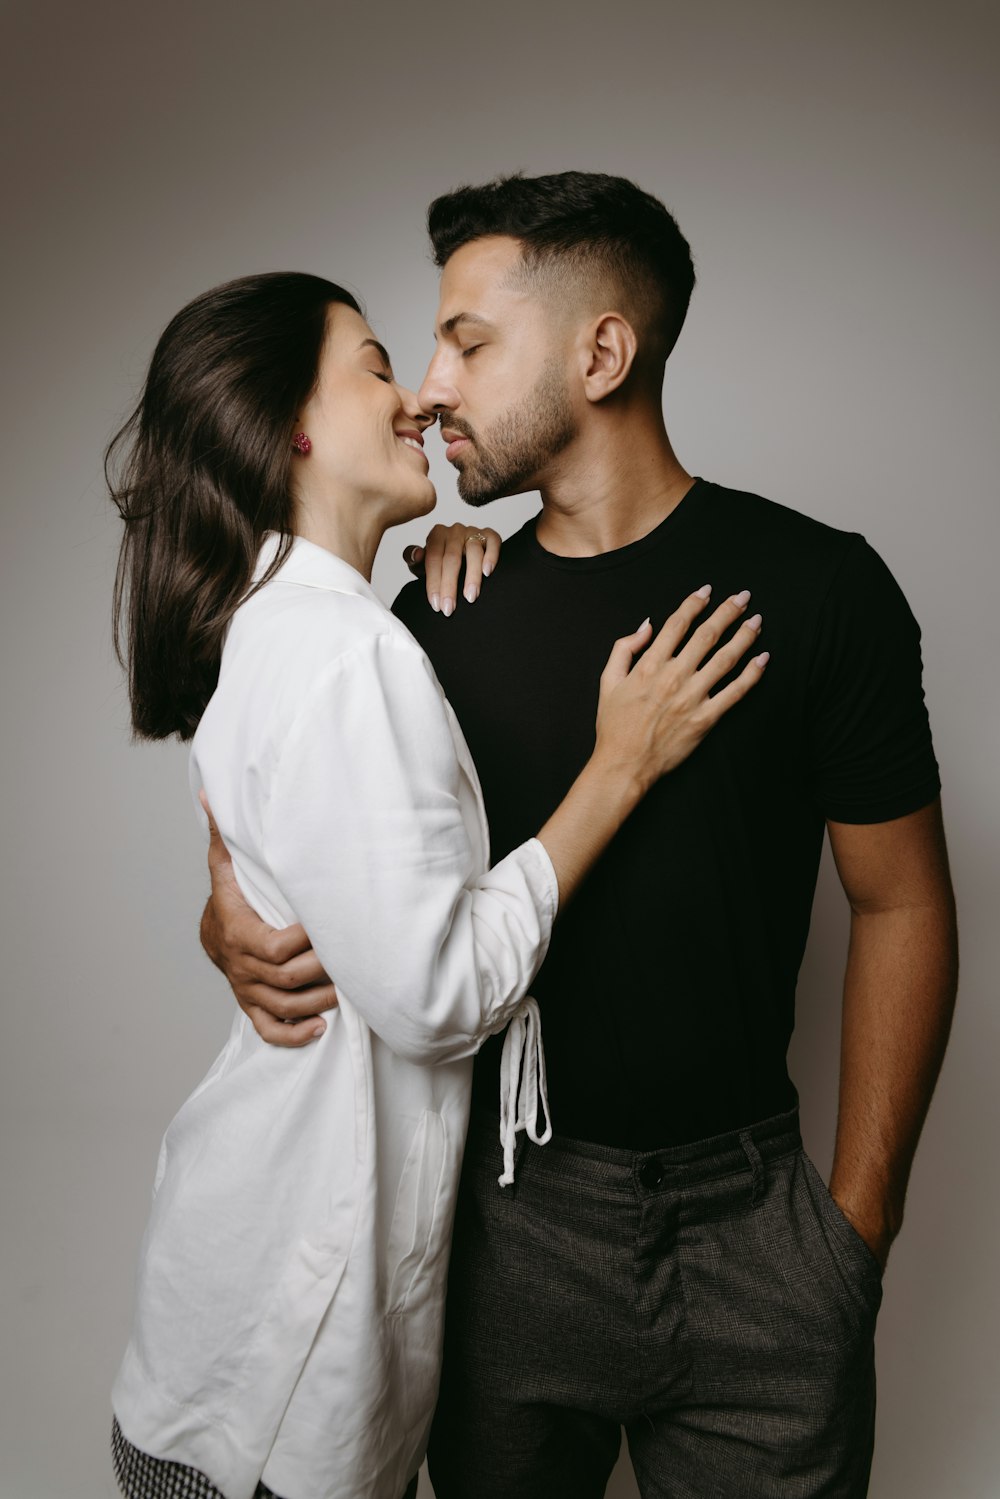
499	379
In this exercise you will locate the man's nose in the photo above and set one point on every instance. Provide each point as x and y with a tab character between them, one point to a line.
436	393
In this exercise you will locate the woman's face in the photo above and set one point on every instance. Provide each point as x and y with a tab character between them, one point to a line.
365	429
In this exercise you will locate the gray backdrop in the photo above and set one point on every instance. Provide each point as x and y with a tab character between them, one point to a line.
835	170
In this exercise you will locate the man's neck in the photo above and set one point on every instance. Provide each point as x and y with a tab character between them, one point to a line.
611	486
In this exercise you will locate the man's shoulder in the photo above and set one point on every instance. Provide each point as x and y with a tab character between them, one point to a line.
746	511
412	609
412	606
410	601
808	557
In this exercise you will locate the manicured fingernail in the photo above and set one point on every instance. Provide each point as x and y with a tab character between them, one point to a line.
436	602
448	608
487	569
471	594
754	622
742	598
643	625
763	658
318	1030
704	593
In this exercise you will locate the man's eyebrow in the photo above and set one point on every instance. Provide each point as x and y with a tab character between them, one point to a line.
465	317
381	351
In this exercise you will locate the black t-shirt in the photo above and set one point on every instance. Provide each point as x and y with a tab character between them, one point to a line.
667	996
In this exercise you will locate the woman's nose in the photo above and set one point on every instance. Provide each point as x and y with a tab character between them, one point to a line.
414	410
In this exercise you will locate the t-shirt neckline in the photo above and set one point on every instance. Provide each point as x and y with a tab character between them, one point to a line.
620	555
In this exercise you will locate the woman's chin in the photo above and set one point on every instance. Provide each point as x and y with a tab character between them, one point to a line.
412	508
424	504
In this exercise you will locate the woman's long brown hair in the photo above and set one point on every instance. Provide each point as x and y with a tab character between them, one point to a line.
199	473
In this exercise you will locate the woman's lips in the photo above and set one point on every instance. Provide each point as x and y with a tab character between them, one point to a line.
414	442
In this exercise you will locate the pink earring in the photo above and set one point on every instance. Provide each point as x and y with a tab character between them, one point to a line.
301	443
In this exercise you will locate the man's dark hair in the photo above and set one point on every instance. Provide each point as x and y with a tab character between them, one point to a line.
581	223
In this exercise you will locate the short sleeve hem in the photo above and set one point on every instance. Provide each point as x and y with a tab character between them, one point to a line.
883	810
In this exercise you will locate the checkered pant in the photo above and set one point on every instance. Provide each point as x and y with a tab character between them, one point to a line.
143	1477
711	1298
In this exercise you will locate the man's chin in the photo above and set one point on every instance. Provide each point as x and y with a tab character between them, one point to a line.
475	491
474	494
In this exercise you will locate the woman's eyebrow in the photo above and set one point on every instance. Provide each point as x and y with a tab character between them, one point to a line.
381	351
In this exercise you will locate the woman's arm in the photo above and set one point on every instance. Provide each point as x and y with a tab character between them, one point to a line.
367	841
366	838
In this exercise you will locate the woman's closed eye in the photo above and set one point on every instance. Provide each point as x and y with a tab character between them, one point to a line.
467	353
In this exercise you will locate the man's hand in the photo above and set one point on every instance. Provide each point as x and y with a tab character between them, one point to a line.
277	978
441	563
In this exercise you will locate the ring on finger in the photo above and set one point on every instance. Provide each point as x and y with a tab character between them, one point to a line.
477	536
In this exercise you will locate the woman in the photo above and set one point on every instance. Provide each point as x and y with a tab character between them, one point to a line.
290	1290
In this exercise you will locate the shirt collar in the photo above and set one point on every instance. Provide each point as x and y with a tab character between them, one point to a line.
312	566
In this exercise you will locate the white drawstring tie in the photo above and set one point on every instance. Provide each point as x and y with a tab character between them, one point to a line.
522	1078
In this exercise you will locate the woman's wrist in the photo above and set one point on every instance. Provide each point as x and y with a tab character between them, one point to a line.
601	798
615	779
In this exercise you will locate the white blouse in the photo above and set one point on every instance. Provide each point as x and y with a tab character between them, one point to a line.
291	1284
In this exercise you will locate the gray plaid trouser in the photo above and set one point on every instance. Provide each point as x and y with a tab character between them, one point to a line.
711	1299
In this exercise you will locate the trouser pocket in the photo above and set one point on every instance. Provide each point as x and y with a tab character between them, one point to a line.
858	1268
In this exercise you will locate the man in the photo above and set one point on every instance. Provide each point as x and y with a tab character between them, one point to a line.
670	1262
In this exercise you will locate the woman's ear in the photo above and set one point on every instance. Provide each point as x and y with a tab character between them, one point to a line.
610	354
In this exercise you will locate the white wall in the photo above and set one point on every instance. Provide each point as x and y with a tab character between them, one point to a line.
834	168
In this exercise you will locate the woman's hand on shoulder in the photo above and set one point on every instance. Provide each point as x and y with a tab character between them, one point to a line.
440	561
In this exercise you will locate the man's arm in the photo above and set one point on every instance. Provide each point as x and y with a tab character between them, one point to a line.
899	995
278	980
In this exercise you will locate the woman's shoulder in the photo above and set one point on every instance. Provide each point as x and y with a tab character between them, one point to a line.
286	639
309	624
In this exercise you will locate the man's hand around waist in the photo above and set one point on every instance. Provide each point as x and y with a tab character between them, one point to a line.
276	977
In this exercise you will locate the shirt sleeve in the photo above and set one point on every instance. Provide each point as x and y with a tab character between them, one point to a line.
366	838
871	748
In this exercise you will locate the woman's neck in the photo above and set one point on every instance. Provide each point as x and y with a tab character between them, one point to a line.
352	540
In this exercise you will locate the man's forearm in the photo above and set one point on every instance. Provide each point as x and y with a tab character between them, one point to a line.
899	995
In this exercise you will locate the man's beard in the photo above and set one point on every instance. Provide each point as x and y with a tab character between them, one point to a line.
509	455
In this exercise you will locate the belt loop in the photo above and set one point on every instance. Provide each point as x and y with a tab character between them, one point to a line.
756	1165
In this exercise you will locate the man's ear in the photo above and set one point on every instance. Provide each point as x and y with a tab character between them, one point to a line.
609	352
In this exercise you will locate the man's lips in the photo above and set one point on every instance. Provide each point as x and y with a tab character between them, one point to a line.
456	441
